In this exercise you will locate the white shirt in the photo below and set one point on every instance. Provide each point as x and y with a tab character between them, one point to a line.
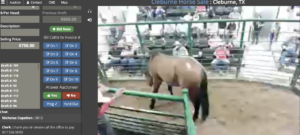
127	52
187	17
182	51
234	15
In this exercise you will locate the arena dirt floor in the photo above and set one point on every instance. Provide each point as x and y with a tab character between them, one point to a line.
237	108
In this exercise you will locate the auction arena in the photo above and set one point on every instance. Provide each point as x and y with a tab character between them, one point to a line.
237	108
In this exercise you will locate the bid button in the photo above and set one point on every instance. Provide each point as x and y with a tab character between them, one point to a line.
71	103
52	95
71	95
61	29
52	103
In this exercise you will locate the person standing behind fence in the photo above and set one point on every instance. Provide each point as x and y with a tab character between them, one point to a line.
120	29
257	26
104	125
274	33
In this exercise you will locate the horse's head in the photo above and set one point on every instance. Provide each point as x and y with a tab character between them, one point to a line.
148	76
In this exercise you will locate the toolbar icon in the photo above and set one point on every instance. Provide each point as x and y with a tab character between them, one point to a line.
90	19
89	11
27	2
2	2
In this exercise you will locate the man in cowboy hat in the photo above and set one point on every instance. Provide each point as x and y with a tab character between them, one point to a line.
104	126
179	49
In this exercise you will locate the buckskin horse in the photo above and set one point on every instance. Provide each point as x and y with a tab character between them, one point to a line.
183	72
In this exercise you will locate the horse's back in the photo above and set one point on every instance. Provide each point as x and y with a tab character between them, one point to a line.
178	70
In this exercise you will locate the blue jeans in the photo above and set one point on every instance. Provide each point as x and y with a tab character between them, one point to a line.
290	54
114	63
129	64
104	126
142	63
218	64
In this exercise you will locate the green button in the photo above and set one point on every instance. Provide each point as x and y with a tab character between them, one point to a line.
52	95
61	28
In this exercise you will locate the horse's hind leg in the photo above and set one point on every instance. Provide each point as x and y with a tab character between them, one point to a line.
156	86
196	102
204	100
170	88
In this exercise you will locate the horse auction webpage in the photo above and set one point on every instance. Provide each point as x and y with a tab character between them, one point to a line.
154	67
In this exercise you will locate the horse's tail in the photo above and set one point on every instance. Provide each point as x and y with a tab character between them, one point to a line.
204	99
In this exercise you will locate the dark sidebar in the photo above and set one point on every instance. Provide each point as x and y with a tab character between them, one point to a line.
48	54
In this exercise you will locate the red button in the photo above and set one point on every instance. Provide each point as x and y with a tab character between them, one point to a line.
71	95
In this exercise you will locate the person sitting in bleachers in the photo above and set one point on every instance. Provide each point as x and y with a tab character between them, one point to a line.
221	63
179	49
127	61
160	12
113	56
235	14
122	42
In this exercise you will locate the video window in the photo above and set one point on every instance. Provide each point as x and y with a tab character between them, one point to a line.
160	52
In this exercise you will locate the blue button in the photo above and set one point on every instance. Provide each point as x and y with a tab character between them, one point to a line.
71	103
71	62
71	79
52	79
52	71
71	45
52	54
71	71
52	62
52	45
52	103
71	54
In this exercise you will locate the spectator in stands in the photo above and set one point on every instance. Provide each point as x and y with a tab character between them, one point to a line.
200	9
221	62
274	32
160	12
122	42
188	17
179	49
230	32
211	13
257	26
120	29
170	29
104	126
290	48
113	54
128	62
235	14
